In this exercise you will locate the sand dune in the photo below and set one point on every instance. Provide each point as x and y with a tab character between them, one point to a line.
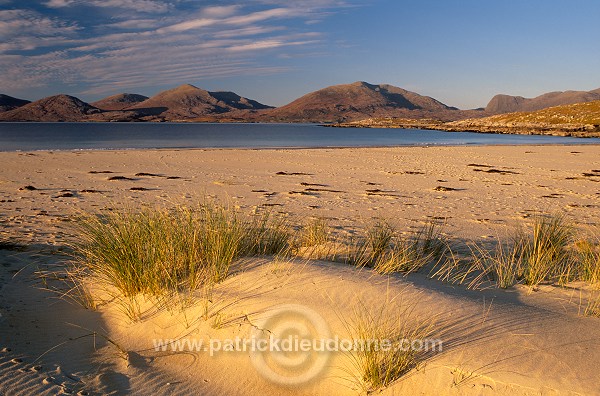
494	342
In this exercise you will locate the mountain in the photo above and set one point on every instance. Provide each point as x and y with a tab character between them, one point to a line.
9	103
358	100
508	104
237	102
188	102
119	102
338	103
51	109
579	119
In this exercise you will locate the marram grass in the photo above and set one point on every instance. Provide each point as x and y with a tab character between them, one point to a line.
387	252
315	232
544	251
382	338
155	251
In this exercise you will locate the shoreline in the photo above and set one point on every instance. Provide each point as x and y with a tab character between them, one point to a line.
134	149
476	126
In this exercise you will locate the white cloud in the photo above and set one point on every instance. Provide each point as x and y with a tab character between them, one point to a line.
266	44
220	11
27	30
257	45
23	22
147	6
135	24
247	31
237	20
136	50
58	3
189	25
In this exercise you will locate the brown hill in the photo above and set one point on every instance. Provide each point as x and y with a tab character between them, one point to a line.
579	119
359	100
190	102
238	102
51	109
509	104
119	102
8	103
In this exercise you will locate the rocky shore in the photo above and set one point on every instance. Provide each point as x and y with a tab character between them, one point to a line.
480	126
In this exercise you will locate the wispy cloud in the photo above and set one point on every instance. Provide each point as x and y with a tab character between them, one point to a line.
128	50
58	3
149	6
25	22
237	20
26	30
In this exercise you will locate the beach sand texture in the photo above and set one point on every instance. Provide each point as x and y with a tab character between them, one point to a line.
496	342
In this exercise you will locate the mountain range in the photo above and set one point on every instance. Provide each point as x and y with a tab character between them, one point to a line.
510	104
338	103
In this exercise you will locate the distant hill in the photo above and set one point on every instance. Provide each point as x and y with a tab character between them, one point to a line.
359	100
8	103
51	109
344	103
237	102
580	119
578	113
119	102
189	102
508	104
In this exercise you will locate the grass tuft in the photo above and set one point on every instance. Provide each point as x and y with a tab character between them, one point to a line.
162	252
592	307
387	252
315	232
382	339
379	237
544	252
588	255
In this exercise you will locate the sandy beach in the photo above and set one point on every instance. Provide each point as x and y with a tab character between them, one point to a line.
496	342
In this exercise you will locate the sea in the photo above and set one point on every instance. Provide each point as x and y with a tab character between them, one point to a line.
112	136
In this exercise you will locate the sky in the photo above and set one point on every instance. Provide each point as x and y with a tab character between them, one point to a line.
461	52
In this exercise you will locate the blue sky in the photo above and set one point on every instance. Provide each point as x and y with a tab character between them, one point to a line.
461	52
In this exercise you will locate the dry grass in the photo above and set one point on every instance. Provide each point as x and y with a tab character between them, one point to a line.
541	253
592	307
167	253
588	254
315	232
501	266
579	113
381	336
387	252
544	252
161	253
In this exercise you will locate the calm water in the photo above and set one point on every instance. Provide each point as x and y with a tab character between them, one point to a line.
85	136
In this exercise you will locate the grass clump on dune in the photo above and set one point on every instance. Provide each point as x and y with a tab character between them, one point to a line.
501	266
592	308
158	252
544	252
315	232
387	252
389	342
588	255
